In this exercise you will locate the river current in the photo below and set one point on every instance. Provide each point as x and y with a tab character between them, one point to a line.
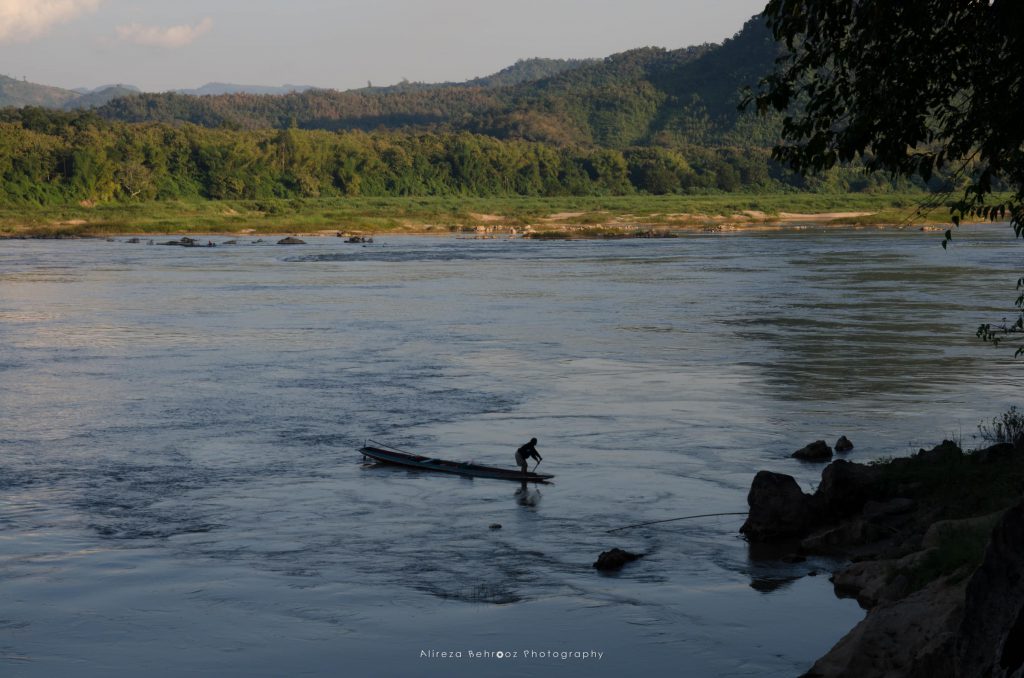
181	491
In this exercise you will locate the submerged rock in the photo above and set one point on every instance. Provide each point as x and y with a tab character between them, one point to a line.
615	559
779	509
816	451
843	444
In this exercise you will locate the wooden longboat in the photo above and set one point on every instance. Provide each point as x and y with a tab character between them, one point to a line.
392	456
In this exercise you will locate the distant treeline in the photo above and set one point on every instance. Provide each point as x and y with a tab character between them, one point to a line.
49	157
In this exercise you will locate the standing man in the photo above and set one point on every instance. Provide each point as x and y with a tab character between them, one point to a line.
527	451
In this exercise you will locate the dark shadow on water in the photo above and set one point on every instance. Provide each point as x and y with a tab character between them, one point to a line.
770	585
774	567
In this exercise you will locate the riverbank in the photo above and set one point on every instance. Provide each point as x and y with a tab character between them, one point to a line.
933	549
571	216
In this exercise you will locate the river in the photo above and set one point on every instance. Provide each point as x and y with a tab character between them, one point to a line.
181	491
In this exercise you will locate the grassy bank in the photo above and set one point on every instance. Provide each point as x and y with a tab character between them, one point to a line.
441	215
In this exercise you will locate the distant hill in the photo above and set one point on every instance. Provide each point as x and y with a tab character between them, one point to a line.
524	70
20	93
93	90
640	97
218	88
101	96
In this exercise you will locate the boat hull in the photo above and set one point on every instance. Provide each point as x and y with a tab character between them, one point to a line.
452	467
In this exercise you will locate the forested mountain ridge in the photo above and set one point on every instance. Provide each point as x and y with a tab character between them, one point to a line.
640	97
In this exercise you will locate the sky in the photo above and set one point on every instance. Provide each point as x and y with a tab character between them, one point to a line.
159	45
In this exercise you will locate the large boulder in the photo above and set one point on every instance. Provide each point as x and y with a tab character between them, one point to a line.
991	638
816	451
911	638
843	444
845	488
779	509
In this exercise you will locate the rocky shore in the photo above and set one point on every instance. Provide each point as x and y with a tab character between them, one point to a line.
933	547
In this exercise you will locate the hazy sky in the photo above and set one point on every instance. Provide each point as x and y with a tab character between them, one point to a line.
159	45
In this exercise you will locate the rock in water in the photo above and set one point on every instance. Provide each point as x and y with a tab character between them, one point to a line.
843	444
615	559
779	509
816	451
291	241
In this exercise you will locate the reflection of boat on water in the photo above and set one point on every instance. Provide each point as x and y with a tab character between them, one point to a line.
389	455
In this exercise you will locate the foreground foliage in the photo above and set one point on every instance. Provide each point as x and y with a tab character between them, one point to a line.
916	87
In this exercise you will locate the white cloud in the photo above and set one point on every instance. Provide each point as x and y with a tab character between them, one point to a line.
156	36
22	20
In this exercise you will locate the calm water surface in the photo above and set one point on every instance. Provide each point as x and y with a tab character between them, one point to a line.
180	491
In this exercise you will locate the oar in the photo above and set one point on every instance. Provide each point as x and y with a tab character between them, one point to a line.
536	465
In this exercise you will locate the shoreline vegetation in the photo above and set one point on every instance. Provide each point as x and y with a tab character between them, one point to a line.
933	545
555	218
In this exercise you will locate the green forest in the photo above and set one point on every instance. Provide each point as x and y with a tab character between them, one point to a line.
644	122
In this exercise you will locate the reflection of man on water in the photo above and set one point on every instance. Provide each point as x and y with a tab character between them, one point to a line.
527	451
527	497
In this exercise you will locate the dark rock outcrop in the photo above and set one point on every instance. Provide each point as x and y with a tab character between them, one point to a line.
910	638
615	559
816	451
990	641
944	452
291	241
842	538
845	488
779	509
879	510
843	444
994	454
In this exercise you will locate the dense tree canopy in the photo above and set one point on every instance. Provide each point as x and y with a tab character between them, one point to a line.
917	86
53	158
